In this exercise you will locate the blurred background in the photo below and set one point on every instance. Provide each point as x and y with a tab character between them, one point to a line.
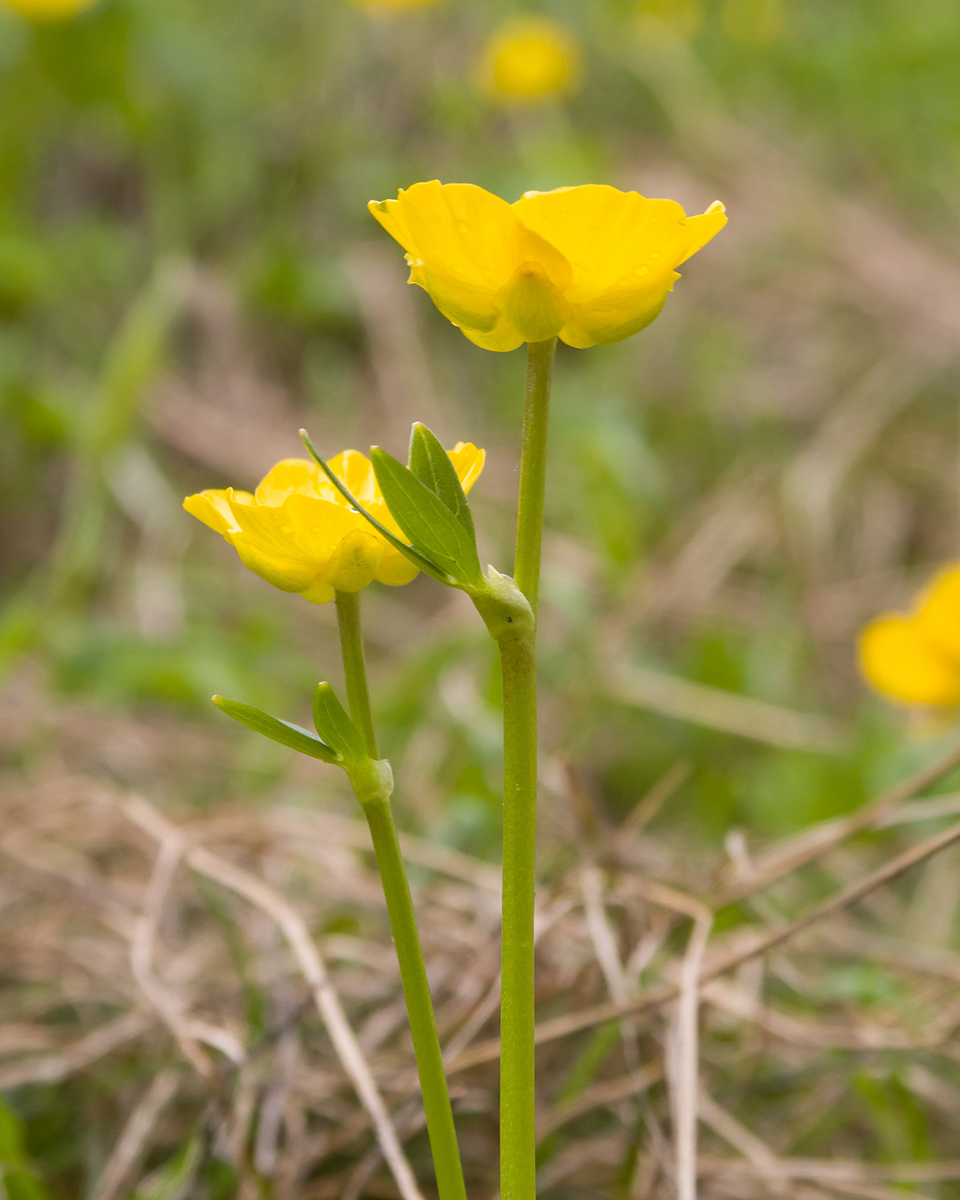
188	274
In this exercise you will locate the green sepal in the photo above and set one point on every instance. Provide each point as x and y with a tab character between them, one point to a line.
419	560
287	734
334	725
429	524
432	466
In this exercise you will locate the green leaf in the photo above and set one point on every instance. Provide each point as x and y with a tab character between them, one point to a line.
283	732
426	520
334	724
419	560
432	466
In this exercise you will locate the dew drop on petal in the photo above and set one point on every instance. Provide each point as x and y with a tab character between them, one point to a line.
642	271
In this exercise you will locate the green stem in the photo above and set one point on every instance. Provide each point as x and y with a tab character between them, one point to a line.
403	923
517	1130
355	668
533	468
519	661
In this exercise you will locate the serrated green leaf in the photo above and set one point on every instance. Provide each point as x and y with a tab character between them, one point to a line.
426	520
334	725
419	560
432	466
284	732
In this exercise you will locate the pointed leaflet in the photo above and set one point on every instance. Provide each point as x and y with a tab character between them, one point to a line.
278	731
426	520
418	560
432	466
334	725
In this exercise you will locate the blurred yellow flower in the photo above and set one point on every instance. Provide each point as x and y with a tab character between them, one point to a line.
297	531
589	264
529	59
914	657
48	10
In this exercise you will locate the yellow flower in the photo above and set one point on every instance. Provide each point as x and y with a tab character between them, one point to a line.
590	264
48	10
914	657
297	532
530	59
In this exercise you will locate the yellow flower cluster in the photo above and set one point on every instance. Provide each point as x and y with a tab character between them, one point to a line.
591	264
914	657
297	531
530	59
48	10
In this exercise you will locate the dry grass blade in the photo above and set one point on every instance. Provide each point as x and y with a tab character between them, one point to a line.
656	997
728	712
132	1142
81	1054
308	959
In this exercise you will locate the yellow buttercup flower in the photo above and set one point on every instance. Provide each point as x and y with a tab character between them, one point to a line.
914	657
530	59
591	264
297	531
48	10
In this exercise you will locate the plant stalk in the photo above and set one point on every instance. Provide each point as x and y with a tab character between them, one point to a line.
519	663
403	922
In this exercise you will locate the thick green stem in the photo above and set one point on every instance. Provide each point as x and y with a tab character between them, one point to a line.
403	923
519	662
533	468
517	1131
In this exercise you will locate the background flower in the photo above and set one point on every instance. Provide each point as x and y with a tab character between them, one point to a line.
530	59
48	10
914	658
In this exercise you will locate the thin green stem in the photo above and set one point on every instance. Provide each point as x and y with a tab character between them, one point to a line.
533	468
403	923
517	1131
355	668
519	661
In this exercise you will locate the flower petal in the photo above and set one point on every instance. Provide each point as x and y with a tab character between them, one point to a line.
211	507
612	238
618	315
468	461
288	476
938	611
899	660
460	243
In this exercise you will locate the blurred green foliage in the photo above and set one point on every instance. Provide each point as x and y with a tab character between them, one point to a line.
149	139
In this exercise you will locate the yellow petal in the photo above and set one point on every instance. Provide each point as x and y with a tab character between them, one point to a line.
468	461
291	475
902	663
318	592
615	239
619	315
394	569
938	610
460	241
502	337
211	507
355	471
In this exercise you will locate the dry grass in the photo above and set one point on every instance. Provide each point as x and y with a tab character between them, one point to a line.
210	955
